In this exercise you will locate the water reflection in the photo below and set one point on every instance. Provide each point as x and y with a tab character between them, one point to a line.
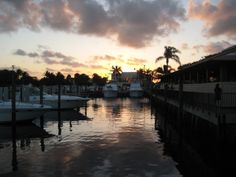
20	136
119	139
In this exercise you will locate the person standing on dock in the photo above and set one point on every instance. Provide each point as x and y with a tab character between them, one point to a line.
218	93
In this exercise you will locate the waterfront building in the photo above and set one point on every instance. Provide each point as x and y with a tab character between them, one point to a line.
205	89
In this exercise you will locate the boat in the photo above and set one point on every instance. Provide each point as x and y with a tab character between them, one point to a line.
110	90
135	90
24	111
67	102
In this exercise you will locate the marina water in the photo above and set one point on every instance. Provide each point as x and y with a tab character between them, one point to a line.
116	138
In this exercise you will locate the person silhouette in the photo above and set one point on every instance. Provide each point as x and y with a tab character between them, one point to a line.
218	93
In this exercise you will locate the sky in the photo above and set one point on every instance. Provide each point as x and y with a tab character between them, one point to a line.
91	36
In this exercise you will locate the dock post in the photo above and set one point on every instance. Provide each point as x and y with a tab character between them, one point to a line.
85	109
59	96
41	94
42	144
180	110
13	103
13	98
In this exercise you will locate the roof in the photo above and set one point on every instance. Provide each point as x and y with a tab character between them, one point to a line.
228	54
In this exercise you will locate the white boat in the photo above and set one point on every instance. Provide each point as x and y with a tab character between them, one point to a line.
135	90
110	90
24	111
67	102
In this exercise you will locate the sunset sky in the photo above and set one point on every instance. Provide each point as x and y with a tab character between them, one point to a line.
88	36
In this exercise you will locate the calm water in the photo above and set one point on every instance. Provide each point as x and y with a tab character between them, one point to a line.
119	140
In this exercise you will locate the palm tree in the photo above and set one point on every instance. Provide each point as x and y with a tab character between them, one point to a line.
160	71
116	72
170	53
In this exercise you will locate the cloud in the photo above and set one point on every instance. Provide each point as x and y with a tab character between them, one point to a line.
185	46
131	23
136	61
51	58
67	70
219	19
212	47
20	52
106	58
98	67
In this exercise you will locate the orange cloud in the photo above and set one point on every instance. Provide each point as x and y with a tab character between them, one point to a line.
218	19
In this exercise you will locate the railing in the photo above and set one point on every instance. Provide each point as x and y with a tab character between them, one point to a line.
205	100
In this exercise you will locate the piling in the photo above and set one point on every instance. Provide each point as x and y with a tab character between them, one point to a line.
59	96
13	101
42	138
41	94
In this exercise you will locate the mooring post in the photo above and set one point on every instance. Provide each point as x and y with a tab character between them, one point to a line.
85	109
42	138
59	96
41	94
13	98
180	110
13	103
59	122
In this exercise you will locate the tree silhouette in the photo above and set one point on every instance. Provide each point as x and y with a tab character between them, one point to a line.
98	80
116	72
170	53
160	71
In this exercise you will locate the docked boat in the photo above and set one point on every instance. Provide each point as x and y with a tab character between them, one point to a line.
110	90
135	90
67	102
24	111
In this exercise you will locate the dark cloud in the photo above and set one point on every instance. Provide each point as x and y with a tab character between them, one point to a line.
212	47
219	19
20	52
15	14
51	58
56	15
131	23
33	55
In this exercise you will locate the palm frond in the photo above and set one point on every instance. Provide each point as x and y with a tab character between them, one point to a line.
176	58
159	58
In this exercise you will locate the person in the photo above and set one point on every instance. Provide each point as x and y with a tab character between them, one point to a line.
218	93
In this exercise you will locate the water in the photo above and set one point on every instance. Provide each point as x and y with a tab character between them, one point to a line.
118	140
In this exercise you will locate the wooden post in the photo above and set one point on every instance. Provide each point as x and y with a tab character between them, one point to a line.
41	94
13	103
14	151
42	127
59	96
13	98
59	122
180	110
21	93
85	109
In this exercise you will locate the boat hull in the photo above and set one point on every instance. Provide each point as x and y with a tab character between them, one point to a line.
21	115
67	102
110	94
136	93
